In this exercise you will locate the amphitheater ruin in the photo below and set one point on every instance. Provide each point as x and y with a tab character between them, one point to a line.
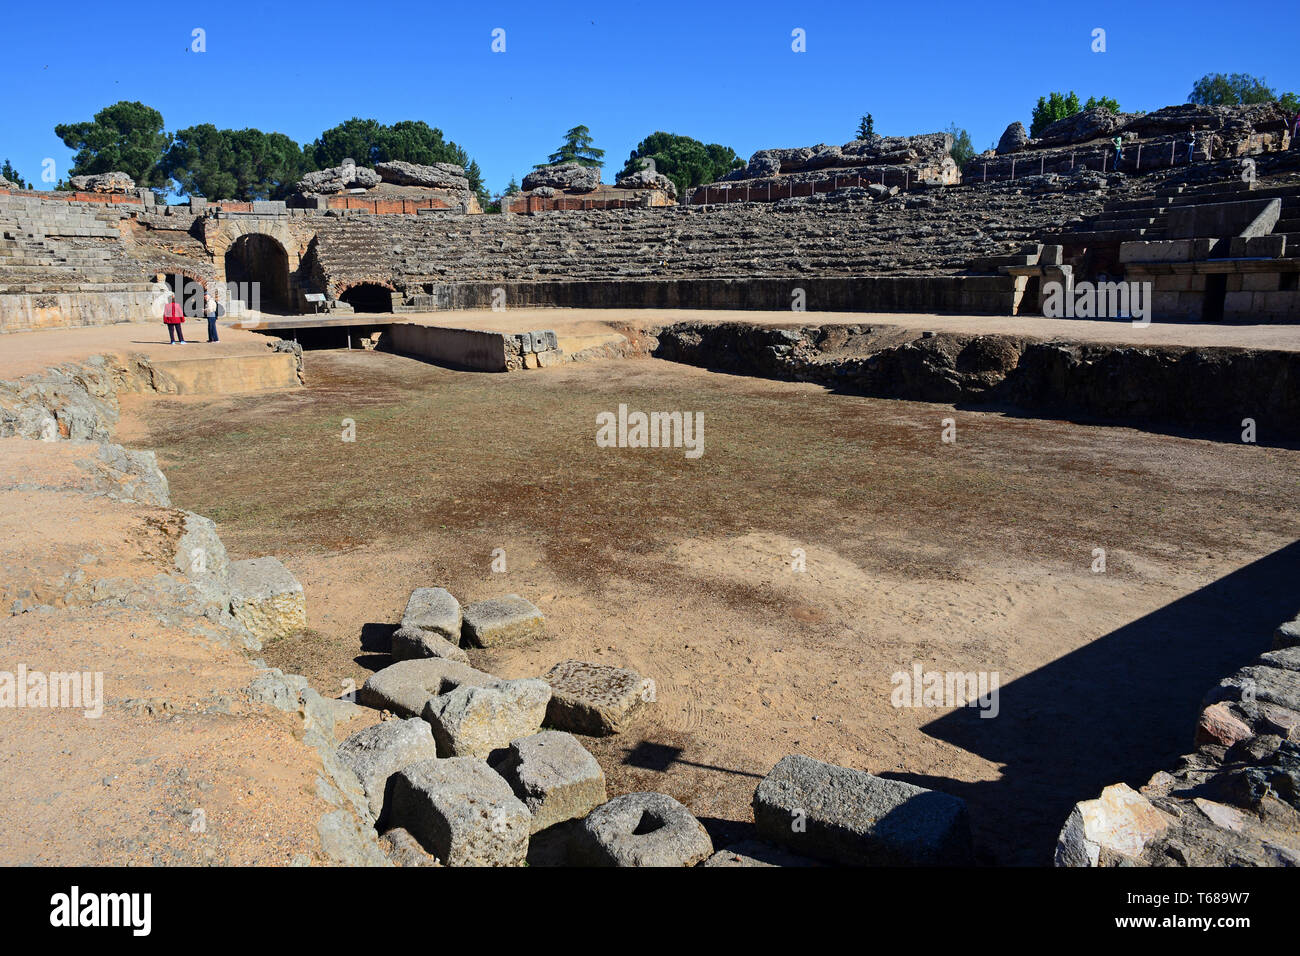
872	622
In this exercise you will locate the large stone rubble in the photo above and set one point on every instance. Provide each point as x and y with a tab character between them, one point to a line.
572	177
103	183
1085	139
1234	801
572	186
492	776
393	179
888	161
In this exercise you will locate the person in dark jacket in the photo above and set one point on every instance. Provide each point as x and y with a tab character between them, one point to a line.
210	313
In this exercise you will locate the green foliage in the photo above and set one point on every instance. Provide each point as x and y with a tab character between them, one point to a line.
8	172
576	148
1052	108
126	137
1290	103
1057	106
963	150
244	164
1103	102
686	161
866	127
367	141
1220	89
356	139
511	187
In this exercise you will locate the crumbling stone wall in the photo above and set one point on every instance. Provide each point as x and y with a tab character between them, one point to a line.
883	162
1151	141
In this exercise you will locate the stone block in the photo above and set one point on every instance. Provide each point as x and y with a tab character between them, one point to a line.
1277	303
1217	725
405	687
1287	634
1237	303
411	643
1258	247
1247	218
473	721
1260	282
1165	304
498	621
641	829
1119	823
593	699
550	359
1177	250
266	598
854	818
1051	255
462	812
199	550
433	609
431	627
378	752
554	776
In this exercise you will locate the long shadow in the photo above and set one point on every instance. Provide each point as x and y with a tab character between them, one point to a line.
1118	709
648	755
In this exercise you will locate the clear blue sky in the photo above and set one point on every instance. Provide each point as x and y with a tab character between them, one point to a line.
719	72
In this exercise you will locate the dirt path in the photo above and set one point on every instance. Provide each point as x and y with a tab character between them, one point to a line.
973	556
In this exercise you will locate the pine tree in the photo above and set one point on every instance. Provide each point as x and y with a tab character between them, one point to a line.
576	148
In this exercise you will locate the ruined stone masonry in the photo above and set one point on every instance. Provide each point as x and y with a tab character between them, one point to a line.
1234	801
406	237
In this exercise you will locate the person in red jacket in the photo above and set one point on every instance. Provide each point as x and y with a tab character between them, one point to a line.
173	316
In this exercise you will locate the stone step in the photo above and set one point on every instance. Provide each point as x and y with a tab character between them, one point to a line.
1090	237
1112	224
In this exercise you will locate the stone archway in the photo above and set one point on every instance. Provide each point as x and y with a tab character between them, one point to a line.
263	263
368	297
263	247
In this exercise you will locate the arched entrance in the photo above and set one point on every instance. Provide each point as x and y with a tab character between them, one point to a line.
369	297
257	258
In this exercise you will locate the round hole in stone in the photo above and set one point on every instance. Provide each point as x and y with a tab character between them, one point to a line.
649	823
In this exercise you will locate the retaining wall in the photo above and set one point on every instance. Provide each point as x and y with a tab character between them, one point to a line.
463	348
1207	390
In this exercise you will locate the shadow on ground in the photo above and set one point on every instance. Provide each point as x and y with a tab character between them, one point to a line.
1118	709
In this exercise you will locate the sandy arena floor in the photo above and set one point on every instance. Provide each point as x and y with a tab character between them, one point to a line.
973	556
